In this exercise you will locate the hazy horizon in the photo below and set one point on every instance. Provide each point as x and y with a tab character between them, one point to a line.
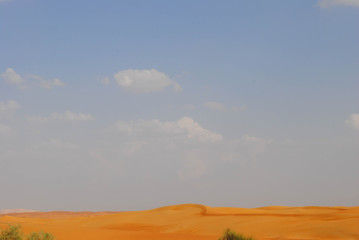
132	105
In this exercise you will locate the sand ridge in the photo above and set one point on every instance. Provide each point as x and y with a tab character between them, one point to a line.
195	221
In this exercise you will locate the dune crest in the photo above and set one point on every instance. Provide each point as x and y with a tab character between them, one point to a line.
195	221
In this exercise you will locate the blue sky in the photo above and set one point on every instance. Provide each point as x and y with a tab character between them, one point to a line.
178	101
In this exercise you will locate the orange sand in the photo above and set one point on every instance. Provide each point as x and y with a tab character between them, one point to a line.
192	221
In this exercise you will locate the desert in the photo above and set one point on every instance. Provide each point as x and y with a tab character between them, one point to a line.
179	120
194	221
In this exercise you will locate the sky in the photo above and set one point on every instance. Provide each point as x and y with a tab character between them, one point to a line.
132	105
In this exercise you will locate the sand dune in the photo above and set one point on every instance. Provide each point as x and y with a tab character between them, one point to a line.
193	221
17	210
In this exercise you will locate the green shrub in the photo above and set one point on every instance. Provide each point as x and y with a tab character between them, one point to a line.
11	233
40	236
15	233
230	235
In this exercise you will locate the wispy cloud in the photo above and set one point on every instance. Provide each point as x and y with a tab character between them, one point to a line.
333	3
145	81
8	108
29	80
220	107
11	77
184	140
67	116
184	127
43	83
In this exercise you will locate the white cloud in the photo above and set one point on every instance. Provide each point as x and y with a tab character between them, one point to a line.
184	135
67	116
10	76
182	149
194	130
353	120
192	148
8	108
145	81
4	128
332	3
220	107
184	127
183	140
43	83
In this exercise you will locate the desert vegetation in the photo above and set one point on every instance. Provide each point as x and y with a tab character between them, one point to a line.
12	232
231	235
186	221
15	232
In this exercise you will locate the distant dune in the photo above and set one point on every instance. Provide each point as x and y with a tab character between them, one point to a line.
17	210
193	221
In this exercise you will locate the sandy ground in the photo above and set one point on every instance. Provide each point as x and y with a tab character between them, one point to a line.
192	221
